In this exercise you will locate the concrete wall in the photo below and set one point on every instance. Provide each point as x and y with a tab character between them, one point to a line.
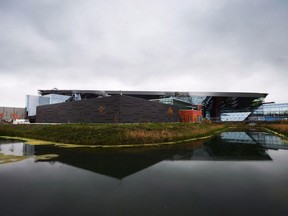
8	113
114	109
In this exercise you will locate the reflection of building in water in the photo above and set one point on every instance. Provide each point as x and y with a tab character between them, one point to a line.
28	150
267	140
236	146
237	137
16	149
216	152
120	163
117	163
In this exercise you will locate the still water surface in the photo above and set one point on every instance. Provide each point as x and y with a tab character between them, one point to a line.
235	173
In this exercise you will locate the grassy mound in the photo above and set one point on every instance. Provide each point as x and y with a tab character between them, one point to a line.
111	134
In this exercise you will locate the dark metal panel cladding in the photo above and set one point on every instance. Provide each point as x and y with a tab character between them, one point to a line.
114	109
139	110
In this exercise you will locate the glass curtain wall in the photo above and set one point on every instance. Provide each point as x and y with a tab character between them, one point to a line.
271	112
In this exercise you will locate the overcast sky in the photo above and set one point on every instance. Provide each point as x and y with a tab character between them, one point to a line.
181	45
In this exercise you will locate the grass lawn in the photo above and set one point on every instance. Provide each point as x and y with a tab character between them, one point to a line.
112	134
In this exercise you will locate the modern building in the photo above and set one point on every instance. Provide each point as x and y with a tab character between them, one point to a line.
8	114
95	106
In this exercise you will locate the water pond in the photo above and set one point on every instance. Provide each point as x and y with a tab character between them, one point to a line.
234	173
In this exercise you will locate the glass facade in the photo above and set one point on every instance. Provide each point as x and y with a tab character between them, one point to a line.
234	116
176	102
55	98
270	112
33	101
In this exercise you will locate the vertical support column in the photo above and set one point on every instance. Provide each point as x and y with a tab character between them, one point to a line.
216	111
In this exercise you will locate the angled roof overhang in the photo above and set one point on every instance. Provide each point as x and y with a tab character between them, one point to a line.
153	94
226	100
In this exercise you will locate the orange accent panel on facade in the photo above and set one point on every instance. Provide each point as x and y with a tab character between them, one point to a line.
190	115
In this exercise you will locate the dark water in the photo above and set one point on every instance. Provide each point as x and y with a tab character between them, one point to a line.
236	173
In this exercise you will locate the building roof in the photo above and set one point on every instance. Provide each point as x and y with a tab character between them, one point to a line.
152	94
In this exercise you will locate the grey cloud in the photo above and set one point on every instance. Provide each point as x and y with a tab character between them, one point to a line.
255	29
191	45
